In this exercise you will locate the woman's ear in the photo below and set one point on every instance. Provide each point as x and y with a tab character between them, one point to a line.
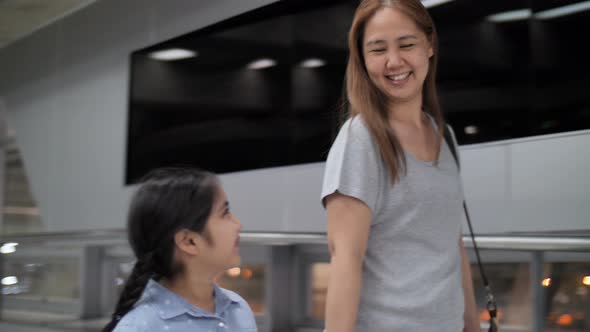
188	242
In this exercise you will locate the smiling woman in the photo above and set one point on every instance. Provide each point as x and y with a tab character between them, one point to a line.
396	55
391	187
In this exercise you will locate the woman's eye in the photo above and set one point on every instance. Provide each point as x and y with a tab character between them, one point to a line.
407	45
377	50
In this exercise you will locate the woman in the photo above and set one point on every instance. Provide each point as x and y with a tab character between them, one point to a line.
183	236
391	188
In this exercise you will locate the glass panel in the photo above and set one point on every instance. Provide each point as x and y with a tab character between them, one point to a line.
510	282
561	67
56	278
568	303
44	281
229	103
483	64
511	285
248	281
318	66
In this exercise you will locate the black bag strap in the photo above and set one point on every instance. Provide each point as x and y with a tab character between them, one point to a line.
491	300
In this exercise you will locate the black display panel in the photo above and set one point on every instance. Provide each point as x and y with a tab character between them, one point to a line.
498	79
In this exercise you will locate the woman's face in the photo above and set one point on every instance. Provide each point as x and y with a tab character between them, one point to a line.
396	54
223	228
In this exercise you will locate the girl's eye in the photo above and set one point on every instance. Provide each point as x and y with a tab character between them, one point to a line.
378	50
407	45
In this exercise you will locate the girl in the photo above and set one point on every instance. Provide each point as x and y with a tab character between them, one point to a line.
183	235
391	188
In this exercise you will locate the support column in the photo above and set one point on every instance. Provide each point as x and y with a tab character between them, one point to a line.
537	293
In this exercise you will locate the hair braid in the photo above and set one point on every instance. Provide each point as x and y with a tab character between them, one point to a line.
134	286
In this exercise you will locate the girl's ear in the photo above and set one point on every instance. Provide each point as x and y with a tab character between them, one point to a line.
188	242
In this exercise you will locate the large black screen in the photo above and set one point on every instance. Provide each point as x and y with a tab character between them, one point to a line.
264	89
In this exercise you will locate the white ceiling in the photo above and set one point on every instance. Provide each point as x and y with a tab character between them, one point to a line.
19	18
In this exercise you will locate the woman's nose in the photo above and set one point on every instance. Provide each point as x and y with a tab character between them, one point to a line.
394	59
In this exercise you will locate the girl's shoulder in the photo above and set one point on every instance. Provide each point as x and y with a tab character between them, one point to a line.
240	311
141	318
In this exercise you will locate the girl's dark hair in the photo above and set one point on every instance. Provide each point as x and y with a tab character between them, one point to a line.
168	200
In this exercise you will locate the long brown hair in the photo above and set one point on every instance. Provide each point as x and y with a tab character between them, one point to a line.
365	99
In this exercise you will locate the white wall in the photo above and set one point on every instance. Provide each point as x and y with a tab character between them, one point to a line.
65	89
532	184
66	86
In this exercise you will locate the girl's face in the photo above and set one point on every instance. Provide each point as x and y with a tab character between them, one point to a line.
223	229
396	54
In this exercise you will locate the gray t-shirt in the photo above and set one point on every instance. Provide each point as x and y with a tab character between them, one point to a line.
411	277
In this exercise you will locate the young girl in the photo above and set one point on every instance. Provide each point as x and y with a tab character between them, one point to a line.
183	236
391	188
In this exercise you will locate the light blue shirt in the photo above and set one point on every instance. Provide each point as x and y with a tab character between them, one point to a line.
160	310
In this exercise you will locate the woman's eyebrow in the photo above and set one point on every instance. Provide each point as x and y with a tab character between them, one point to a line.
375	42
406	37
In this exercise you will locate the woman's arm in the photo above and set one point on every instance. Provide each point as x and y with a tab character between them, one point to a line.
470	317
349	221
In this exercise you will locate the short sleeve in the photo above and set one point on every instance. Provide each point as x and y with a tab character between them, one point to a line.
456	146
353	165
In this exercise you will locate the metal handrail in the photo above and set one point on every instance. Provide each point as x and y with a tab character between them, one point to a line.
496	242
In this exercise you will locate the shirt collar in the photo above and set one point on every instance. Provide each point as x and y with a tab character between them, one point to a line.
170	305
223	299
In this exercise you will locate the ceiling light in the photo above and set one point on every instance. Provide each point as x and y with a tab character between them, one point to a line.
313	63
433	3
173	54
586	280
564	10
7	248
262	63
471	130
513	15
7	281
546	282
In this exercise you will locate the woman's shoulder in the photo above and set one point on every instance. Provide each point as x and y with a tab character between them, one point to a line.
354	129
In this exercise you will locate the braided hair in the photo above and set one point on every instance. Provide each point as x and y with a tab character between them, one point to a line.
167	201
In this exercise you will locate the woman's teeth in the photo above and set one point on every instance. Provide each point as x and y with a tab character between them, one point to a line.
398	77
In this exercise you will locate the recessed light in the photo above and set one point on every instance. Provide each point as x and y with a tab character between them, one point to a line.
313	63
173	54
262	63
471	130
563	10
434	3
513	15
7	281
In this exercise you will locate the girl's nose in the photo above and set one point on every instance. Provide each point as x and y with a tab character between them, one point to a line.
237	221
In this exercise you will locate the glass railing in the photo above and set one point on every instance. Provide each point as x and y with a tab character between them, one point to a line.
70	281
